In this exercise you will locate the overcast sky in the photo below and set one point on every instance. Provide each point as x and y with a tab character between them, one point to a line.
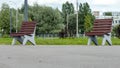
96	5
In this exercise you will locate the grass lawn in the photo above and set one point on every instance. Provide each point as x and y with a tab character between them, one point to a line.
57	41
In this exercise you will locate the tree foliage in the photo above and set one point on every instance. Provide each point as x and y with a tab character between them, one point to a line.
88	24
108	13
116	31
49	20
67	10
4	19
72	24
84	13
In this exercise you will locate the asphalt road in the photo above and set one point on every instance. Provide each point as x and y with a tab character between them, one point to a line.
59	56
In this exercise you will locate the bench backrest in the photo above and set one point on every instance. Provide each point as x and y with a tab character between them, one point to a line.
102	25
28	27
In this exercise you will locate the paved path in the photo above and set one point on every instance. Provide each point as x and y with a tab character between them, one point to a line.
59	57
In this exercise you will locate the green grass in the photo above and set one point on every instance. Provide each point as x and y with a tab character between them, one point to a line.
57	41
5	41
116	41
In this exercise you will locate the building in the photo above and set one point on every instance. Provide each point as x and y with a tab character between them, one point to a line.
96	14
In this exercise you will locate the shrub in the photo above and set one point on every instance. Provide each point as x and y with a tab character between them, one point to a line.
116	31
6	36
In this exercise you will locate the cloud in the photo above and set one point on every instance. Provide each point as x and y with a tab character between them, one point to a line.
44	2
52	3
104	2
105	5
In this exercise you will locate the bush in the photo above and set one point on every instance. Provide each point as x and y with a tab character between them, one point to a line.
6	36
116	31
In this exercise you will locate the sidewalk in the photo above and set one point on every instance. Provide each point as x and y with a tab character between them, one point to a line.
59	56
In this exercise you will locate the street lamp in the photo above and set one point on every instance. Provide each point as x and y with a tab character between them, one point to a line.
10	21
77	35
26	10
67	24
16	16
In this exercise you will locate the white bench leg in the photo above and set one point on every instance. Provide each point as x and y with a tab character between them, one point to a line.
89	41
92	38
19	39
24	41
104	40
14	41
108	39
29	38
32	41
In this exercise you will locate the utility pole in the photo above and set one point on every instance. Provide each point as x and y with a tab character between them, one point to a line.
16	20
67	24
10	21
26	10
77	35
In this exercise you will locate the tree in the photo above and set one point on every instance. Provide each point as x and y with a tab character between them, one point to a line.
72	24
84	11
48	20
4	19
67	9
116	31
108	13
88	24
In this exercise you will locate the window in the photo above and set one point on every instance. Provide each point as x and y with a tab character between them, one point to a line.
116	21
113	22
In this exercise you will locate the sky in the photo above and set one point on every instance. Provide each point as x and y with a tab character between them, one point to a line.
95	5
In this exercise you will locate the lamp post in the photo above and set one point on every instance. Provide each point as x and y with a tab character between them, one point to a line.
26	10
67	24
16	20
77	35
10	21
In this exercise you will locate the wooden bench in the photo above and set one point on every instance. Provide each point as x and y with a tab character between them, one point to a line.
26	33
101	27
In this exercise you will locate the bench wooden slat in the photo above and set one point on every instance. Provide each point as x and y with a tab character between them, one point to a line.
20	34
105	23
28	25
100	29
102	26
95	33
103	20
